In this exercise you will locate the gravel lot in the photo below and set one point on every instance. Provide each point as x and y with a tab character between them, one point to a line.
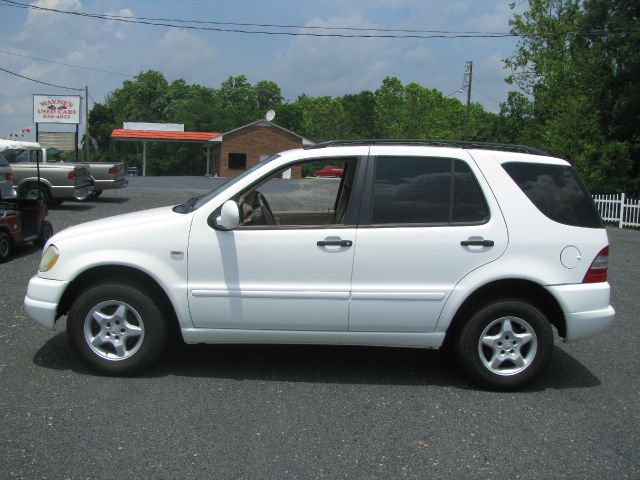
309	412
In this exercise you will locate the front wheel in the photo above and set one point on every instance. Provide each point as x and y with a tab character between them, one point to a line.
46	232
505	345
5	246
117	329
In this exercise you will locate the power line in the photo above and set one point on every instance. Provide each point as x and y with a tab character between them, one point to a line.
67	64
485	95
196	25
38	81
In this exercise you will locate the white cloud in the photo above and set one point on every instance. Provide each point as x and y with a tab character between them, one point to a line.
331	66
39	21
493	21
180	54
420	56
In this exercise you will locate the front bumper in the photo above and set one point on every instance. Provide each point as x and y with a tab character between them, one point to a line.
586	308
41	301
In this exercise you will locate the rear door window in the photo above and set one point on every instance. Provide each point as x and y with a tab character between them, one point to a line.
426	190
557	191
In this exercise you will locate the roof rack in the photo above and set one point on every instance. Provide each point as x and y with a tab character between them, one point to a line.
468	145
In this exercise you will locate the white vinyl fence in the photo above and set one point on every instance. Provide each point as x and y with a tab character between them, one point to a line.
618	208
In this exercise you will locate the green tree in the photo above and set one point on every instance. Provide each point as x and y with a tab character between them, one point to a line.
323	118
102	121
390	109
359	115
577	62
141	100
268	96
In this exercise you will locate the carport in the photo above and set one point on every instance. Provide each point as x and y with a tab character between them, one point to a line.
144	136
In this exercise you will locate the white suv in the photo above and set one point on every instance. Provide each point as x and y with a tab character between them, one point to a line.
418	244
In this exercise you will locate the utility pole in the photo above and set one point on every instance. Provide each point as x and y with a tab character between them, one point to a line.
87	141
468	77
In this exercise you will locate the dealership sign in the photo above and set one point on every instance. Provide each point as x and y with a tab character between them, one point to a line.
56	109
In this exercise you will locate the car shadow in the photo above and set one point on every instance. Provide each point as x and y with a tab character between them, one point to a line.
319	364
25	250
112	200
70	206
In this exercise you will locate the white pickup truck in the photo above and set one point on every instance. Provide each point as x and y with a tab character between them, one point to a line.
104	175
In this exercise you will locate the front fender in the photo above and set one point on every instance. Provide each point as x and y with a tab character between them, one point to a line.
170	276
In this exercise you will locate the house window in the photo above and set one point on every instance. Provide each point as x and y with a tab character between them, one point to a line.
237	161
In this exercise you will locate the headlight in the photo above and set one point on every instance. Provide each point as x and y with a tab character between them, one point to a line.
49	258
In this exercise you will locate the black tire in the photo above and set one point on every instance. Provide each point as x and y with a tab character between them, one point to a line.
133	333
83	198
5	247
34	191
88	197
517	346
46	232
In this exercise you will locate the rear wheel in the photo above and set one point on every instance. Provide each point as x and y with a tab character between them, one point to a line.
83	198
505	345
34	191
117	329
5	247
88	196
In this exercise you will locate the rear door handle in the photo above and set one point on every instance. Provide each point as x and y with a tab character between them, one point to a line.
477	243
334	243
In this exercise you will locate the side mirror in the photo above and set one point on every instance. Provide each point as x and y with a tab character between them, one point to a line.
229	216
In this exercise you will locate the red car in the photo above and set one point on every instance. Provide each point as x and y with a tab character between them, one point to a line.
329	171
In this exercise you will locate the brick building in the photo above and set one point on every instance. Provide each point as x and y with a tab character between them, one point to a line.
237	150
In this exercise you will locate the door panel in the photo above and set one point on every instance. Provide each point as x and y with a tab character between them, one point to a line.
403	276
269	279
433	220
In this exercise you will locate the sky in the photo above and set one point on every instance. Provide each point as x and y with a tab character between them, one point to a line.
298	64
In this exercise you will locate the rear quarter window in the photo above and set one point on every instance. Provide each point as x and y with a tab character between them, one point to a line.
557	191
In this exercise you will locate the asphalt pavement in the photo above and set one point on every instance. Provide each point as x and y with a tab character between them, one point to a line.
294	412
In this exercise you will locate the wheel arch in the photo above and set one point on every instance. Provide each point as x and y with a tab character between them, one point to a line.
43	181
120	274
4	228
509	288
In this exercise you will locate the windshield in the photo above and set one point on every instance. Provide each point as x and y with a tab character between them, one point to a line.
195	203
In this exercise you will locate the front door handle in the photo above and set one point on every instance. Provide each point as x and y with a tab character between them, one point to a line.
477	243
334	243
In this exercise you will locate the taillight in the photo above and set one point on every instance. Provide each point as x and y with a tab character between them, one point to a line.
8	176
598	270
72	175
113	170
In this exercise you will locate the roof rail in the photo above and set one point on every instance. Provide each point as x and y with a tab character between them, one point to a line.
467	145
